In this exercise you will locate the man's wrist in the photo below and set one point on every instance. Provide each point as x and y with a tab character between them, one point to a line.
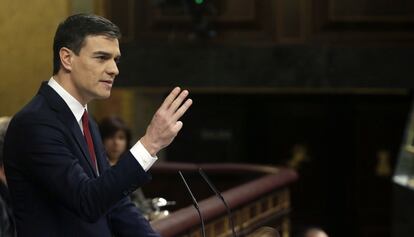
148	146
143	157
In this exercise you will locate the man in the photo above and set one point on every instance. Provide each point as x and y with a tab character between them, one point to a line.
60	181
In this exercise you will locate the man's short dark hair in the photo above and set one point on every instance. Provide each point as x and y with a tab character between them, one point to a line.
72	32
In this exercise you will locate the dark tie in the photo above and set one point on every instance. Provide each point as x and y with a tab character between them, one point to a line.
88	138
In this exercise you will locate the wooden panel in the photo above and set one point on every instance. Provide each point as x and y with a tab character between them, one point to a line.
367	20
234	11
291	19
262	200
27	29
122	13
372	10
251	216
258	21
178	20
230	10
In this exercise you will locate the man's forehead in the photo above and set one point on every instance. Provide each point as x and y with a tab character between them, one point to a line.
101	43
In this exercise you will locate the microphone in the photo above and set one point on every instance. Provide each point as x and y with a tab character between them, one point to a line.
195	203
218	194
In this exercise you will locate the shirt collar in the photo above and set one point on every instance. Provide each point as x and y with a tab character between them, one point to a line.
75	106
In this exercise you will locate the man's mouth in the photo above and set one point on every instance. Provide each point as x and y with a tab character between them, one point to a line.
108	82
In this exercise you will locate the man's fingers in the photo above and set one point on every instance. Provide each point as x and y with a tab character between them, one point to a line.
183	108
177	102
170	98
178	126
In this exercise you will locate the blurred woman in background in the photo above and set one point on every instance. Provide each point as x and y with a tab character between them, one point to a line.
116	137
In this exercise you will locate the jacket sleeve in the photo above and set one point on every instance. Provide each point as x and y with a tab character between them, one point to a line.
47	155
127	221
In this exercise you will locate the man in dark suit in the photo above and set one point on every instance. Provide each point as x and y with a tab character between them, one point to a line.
60	181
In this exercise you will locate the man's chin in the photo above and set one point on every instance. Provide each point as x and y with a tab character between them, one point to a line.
103	96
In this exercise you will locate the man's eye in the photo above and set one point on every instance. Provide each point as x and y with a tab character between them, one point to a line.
101	58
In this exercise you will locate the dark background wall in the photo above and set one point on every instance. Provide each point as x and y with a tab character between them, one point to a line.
298	66
274	80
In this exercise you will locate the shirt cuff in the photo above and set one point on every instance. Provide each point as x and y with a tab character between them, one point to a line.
143	157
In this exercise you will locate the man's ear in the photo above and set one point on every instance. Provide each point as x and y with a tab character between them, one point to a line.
66	56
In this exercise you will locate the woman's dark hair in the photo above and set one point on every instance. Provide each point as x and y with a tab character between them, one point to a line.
112	124
72	32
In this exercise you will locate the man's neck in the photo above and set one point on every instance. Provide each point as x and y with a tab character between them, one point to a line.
64	80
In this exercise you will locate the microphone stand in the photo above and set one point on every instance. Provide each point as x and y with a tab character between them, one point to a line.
218	194
203	230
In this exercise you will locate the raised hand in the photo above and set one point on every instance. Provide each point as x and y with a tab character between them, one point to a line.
165	124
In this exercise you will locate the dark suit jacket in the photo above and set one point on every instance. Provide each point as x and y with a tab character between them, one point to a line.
54	189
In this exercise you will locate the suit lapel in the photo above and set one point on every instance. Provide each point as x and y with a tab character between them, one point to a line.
68	119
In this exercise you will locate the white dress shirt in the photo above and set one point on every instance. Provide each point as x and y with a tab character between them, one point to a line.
141	154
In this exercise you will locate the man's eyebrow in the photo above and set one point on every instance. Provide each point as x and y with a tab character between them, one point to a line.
105	54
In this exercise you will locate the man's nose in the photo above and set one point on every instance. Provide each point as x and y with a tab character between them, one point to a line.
113	69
